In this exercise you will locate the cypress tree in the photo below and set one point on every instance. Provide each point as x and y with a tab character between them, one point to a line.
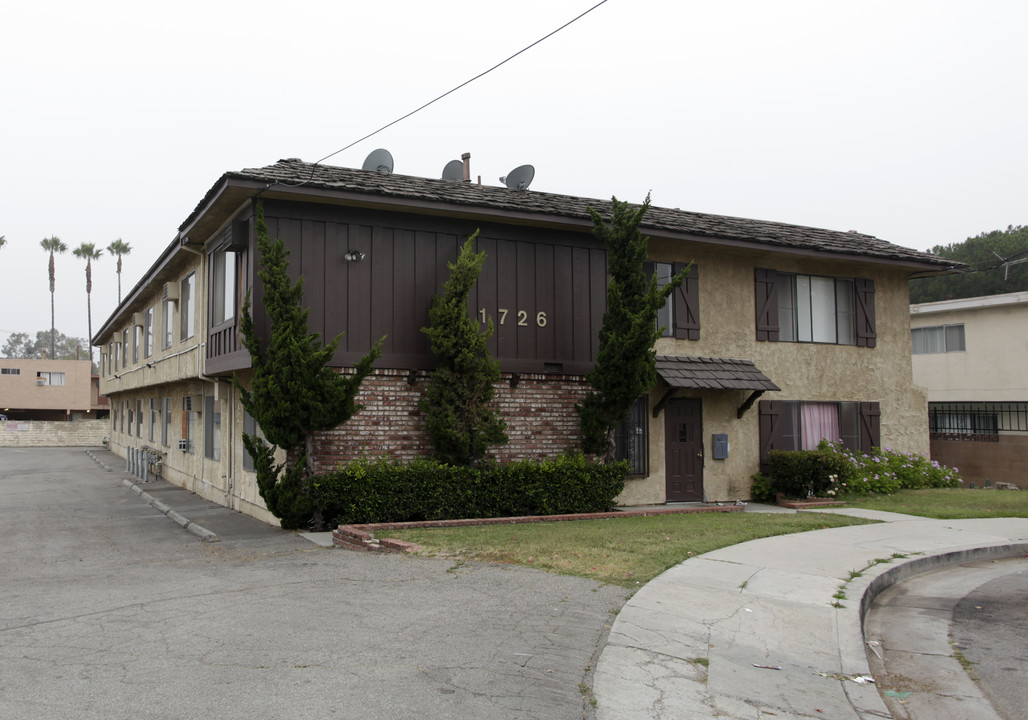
625	363
459	419
292	392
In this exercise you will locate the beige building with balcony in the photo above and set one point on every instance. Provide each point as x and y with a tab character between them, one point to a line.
971	357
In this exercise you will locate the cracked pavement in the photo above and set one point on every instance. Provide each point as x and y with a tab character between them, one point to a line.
108	609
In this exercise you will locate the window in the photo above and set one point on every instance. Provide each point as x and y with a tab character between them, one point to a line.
680	317
130	420
796	425
139	417
976	421
938	339
167	313
124	348
186	300
153	419
114	420
165	420
49	378
815	309
148	332
137	340
630	439
10	371
211	428
223	285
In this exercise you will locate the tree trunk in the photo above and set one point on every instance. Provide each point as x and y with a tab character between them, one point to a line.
89	309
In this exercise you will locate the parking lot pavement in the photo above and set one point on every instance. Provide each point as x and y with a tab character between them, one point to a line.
109	609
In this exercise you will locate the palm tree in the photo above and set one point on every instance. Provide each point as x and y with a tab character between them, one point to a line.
88	252
3	240
52	245
119	248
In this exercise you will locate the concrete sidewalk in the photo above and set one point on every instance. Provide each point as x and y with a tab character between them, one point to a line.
773	627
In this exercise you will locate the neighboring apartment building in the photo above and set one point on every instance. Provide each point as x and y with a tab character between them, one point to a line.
781	335
50	390
971	356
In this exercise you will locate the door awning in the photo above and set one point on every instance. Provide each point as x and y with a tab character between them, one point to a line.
712	373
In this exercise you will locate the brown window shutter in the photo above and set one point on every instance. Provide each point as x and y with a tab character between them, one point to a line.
767	304
770	421
687	303
870	426
865	291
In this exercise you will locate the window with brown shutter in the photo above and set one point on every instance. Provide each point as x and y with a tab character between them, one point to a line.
687	303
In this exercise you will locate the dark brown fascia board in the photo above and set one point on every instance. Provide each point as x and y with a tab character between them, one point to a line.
155	274
445	209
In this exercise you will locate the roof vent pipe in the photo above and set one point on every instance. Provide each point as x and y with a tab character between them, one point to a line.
466	157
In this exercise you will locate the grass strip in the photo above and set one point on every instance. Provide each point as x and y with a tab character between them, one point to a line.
625	552
949	504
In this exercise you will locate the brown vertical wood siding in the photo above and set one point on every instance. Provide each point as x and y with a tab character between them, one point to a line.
544	290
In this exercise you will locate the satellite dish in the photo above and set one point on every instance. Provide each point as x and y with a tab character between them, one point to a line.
380	160
519	178
454	170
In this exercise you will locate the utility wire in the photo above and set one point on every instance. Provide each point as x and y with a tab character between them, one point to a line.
448	92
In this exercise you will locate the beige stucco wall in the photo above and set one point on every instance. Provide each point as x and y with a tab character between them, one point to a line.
22	392
803	371
992	368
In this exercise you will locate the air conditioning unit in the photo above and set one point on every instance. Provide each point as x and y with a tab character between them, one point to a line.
137	319
183	445
170	292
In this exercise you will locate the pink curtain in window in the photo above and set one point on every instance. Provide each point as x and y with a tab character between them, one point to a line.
820	421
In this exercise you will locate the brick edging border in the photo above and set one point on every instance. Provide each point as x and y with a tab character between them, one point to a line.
362	537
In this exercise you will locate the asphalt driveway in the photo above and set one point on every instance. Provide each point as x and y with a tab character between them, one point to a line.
108	609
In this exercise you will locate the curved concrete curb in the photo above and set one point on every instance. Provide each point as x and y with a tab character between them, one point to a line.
775	626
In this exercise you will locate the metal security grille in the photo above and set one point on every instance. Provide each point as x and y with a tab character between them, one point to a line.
976	421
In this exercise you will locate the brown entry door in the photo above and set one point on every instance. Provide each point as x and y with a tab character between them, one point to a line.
683	441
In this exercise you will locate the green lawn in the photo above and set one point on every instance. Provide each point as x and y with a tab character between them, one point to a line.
949	504
625	551
630	551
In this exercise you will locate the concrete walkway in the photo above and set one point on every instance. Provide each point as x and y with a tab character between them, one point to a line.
773	627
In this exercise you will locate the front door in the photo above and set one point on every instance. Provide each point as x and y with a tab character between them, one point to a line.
683	443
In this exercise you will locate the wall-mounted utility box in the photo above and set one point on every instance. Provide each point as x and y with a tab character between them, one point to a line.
720	443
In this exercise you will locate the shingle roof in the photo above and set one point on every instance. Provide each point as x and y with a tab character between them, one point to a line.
394	187
712	373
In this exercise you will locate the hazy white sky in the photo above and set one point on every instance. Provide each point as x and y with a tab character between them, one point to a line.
904	119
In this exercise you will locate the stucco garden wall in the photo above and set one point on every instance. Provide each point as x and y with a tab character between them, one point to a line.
34	433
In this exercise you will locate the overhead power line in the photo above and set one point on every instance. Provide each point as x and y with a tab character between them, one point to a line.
449	92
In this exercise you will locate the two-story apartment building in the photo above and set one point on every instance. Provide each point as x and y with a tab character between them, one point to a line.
970	355
781	336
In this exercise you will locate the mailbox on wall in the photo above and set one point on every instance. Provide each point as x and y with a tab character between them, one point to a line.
720	444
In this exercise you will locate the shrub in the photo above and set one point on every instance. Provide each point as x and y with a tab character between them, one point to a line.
762	490
384	490
799	473
886	471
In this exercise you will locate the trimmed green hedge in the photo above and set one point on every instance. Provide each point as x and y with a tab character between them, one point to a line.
799	473
383	490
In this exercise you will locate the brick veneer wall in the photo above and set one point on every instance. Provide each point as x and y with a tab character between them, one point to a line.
1003	461
36	433
539	411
